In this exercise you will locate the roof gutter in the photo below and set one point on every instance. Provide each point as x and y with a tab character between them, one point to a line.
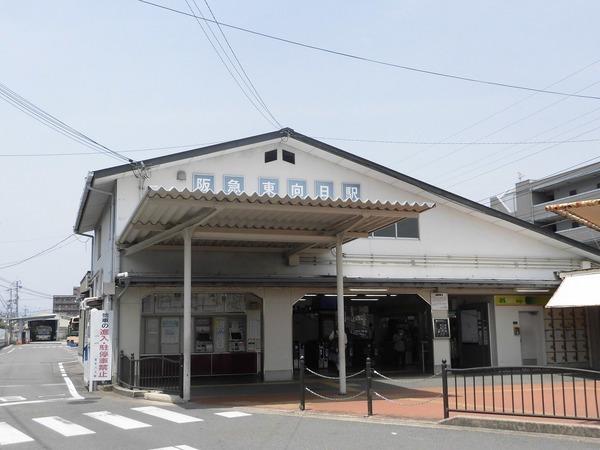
82	204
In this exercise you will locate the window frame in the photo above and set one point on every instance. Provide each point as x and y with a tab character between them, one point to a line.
396	237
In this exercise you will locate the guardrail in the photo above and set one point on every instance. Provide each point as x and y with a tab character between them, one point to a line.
529	391
159	372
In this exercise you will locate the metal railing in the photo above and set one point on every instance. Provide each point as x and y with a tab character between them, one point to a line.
367	393
159	372
530	391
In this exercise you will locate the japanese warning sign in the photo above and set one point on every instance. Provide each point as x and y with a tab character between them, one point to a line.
100	345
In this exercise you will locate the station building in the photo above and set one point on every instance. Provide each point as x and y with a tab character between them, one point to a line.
256	235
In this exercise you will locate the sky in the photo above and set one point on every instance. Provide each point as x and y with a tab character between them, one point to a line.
133	77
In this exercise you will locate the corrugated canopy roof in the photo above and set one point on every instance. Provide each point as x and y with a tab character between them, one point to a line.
232	220
586	212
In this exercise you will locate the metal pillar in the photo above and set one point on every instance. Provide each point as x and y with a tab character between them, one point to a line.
187	313
340	314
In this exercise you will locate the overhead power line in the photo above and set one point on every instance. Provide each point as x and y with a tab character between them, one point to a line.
373	60
56	124
148	149
231	67
508	107
379	141
512	189
40	253
495	168
245	74
503	153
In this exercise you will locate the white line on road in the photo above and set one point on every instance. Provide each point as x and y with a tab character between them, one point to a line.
177	447
232	414
74	394
125	423
29	402
10	435
63	426
12	398
6	353
171	416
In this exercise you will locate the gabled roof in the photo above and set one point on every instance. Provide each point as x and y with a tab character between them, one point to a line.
290	133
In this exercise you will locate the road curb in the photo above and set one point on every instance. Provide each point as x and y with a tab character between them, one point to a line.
580	430
146	395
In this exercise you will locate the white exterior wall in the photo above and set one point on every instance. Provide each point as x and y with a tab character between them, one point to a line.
102	267
130	321
508	345
277	330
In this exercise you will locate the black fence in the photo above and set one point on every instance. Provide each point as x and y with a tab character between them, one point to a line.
370	386
531	391
159	372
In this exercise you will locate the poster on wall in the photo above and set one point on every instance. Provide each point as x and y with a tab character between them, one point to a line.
439	301
441	328
100	357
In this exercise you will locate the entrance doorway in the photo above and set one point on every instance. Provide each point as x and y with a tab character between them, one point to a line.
394	330
530	335
470	335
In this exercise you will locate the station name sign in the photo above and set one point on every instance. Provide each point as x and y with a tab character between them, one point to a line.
292	187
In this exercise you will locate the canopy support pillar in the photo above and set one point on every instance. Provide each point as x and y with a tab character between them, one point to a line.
339	266
187	313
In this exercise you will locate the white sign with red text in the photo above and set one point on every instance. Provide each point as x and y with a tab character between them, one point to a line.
100	357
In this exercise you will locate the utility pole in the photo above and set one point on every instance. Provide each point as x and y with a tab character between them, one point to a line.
18	285
9	315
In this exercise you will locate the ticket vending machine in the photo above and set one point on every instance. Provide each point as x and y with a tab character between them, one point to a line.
203	336
237	343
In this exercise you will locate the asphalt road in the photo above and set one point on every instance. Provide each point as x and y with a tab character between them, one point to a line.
39	410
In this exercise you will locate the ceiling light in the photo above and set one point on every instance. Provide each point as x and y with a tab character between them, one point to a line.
364	299
368	289
532	291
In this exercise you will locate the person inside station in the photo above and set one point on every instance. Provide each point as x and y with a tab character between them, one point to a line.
333	348
400	344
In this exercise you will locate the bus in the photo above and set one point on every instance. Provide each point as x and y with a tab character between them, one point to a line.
73	332
42	333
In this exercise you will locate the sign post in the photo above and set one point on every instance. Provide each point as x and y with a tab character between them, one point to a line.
100	346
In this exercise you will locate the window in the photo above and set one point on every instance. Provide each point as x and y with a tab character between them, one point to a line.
573	192
405	229
99	243
271	155
288	157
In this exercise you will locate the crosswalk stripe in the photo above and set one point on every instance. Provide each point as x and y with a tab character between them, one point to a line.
63	426
172	416
10	435
125	423
232	414
176	447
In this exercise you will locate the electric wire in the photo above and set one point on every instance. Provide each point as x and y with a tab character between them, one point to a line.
504	127
513	190
35	255
518	159
380	141
32	155
372	60
54	123
510	106
503	154
245	78
198	20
